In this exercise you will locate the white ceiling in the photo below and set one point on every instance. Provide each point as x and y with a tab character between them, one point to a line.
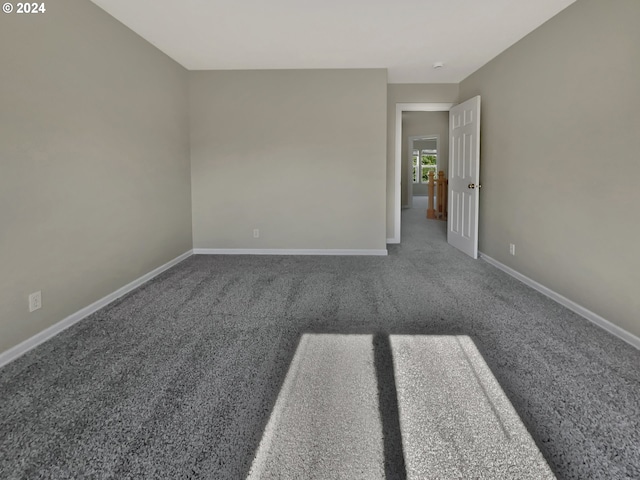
404	36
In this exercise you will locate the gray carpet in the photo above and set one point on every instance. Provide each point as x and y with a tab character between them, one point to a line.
178	379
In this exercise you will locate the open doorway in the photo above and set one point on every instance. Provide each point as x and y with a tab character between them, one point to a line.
427	134
464	171
422	153
401	187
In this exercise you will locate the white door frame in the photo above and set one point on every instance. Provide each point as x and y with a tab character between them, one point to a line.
397	181
410	163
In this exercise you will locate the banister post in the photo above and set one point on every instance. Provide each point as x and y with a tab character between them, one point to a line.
431	213
441	194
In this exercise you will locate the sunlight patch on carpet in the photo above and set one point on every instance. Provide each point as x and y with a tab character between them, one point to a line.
334	419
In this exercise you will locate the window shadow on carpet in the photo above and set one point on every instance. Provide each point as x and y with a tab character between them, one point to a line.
393	407
394	464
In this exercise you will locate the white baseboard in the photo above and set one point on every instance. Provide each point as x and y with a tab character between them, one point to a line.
285	251
41	337
570	304
393	240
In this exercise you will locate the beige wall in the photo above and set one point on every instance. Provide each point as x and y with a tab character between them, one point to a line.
560	162
423	123
298	154
94	172
408	93
425	145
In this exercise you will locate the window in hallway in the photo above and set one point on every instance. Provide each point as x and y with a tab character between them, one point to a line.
424	161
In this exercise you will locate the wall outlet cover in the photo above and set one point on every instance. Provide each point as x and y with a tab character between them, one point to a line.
35	301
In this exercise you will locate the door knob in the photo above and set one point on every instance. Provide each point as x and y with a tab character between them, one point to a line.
473	185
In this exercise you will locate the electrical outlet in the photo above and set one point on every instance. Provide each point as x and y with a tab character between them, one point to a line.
512	248
35	301
256	233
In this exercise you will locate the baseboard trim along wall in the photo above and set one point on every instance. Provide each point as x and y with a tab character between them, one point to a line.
570	304
22	348
284	251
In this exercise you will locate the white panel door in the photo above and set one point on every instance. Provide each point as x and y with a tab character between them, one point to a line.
464	176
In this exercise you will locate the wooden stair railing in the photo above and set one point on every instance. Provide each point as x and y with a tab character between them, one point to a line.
439	187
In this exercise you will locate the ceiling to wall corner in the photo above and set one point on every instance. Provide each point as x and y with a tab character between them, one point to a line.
404	36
